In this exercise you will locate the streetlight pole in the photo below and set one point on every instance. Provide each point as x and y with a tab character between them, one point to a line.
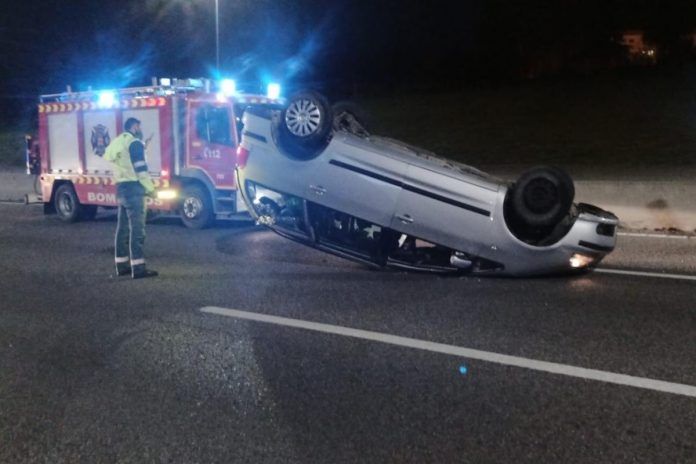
217	36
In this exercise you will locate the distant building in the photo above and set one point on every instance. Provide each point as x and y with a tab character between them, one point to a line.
639	50
691	39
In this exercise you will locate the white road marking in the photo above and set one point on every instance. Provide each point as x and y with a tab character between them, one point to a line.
635	234
544	366
646	274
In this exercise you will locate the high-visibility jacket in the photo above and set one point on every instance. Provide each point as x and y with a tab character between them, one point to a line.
127	155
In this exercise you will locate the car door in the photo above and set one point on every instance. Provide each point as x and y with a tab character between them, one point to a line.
212	141
354	178
444	209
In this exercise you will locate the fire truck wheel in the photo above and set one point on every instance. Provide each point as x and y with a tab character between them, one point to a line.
196	208
67	204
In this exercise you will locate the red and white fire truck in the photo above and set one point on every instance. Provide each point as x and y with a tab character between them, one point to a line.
191	132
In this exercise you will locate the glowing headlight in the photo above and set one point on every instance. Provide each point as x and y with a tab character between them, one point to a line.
167	194
578	261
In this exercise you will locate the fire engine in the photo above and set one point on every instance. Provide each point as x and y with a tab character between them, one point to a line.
190	128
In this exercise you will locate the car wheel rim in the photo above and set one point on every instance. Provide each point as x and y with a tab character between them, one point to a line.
66	204
192	207
303	118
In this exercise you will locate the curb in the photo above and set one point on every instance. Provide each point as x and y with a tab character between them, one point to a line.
15	184
655	205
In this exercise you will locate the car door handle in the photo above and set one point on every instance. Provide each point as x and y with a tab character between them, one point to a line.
318	189
405	219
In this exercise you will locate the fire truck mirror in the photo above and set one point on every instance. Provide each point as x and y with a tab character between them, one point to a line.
33	156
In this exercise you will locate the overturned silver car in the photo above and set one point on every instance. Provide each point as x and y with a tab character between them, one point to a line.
313	173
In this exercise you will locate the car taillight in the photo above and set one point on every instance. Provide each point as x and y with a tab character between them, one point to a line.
242	156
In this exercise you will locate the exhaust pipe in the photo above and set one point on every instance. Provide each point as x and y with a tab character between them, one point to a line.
460	260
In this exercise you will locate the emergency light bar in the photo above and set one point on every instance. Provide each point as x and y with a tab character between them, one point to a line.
165	86
106	98
273	91
228	87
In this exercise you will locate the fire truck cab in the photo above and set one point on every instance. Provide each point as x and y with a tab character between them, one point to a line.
191	132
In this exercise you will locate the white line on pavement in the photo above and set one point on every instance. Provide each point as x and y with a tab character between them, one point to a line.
646	274
635	234
554	368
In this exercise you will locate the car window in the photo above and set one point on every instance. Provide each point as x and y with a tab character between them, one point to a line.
348	233
213	125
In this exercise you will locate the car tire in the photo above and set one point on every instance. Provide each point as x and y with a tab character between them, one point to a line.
305	125
542	196
350	117
196	208
67	204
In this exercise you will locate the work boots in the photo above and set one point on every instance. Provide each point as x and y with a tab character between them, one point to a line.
144	273
123	271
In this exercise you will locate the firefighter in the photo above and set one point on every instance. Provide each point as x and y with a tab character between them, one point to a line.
133	183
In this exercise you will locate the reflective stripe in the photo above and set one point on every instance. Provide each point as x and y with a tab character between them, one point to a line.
122	260
138	164
137	262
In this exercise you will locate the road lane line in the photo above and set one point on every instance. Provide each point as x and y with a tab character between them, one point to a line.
553	368
645	274
635	234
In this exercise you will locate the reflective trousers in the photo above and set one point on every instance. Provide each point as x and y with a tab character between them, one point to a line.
130	232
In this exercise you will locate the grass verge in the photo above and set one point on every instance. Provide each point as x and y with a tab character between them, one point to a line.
12	147
609	121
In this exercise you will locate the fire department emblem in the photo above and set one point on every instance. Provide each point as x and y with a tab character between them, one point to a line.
100	139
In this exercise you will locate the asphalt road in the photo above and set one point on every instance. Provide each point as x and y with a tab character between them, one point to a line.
101	369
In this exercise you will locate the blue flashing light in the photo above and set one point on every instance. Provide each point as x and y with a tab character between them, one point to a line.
107	98
228	87
463	370
273	91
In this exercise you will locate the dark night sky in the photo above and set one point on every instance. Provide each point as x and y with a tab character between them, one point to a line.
116	43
